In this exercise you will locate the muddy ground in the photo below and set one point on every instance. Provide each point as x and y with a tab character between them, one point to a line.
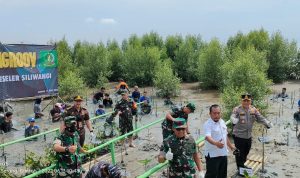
282	159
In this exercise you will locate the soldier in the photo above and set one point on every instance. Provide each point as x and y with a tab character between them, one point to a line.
82	118
243	117
181	112
126	108
67	149
104	170
181	151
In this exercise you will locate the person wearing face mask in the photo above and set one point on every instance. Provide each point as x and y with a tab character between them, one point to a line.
67	149
181	152
216	144
82	118
242	118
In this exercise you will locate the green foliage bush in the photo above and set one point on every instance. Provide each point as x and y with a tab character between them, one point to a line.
166	82
140	64
71	85
4	173
210	62
244	71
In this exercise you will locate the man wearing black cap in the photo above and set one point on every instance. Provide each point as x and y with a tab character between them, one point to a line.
243	117
82	118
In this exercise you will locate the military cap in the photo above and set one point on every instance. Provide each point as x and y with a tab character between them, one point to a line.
78	98
246	96
191	106
69	119
179	123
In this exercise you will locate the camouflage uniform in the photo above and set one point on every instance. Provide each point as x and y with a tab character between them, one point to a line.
96	170
182	165
128	109
81	116
68	165
167	124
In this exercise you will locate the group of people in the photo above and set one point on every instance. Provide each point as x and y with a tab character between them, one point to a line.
180	149
70	143
178	146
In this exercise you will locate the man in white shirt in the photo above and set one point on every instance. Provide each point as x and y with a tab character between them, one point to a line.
216	144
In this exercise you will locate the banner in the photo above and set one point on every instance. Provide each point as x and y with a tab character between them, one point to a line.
27	70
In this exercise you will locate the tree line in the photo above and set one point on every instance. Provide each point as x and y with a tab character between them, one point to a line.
245	63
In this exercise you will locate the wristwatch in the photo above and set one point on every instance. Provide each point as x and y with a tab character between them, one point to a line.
67	149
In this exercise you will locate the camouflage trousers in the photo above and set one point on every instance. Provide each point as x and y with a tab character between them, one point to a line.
174	174
69	173
125	125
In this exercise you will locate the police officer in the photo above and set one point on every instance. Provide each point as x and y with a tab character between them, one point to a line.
82	118
67	147
181	112
181	151
243	117
126	108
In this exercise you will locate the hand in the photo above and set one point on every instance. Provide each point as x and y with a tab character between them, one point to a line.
72	148
169	155
232	147
201	174
219	144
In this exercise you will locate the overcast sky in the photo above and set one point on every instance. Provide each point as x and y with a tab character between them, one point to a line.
39	21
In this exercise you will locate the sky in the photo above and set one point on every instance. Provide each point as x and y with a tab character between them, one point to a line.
41	21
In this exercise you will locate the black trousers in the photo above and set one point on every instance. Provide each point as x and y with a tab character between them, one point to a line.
244	145
216	167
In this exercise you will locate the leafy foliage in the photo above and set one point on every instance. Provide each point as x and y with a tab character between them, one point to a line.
4	173
71	85
282	54
244	71
210	62
166	82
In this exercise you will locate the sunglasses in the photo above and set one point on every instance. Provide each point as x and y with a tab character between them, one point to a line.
246	96
179	129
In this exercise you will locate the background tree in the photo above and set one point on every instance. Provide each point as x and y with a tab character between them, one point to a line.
165	81
244	72
281	56
210	62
